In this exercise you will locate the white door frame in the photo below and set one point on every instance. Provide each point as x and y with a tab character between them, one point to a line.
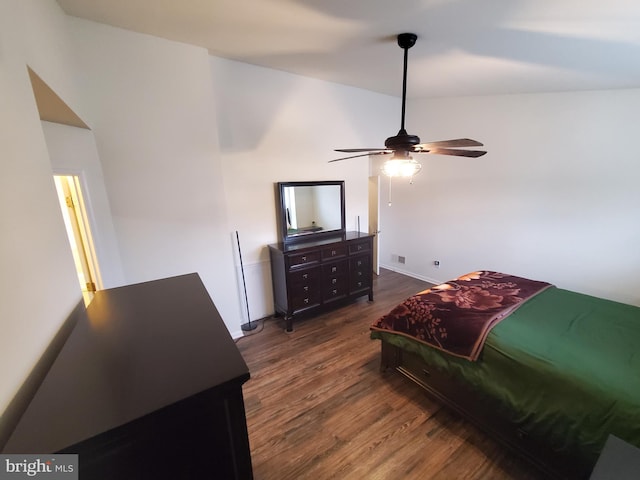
74	212
374	219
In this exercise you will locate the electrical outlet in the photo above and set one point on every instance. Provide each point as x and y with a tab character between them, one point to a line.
436	263
401	259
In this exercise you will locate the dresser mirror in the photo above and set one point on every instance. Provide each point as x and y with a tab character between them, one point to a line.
309	210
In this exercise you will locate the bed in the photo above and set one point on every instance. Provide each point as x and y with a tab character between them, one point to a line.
549	372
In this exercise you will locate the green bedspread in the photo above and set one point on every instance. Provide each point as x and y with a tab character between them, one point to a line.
565	367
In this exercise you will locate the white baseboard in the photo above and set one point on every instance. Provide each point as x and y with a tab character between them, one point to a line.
237	334
394	268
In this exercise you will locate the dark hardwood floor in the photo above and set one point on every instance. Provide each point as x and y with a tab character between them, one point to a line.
318	407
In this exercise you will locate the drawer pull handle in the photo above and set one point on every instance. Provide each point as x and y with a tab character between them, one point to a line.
334	281
305	276
359	284
359	273
304	258
359	263
359	247
306	300
305	288
334	291
334	269
333	253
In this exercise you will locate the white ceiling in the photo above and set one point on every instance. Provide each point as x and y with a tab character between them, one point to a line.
464	47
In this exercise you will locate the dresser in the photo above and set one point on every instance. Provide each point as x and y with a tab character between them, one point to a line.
148	386
317	274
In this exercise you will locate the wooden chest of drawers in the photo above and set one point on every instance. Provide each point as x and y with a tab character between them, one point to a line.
312	275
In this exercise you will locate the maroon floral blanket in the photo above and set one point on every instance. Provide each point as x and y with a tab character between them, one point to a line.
456	317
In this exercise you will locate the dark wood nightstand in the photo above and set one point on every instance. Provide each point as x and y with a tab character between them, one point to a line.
619	460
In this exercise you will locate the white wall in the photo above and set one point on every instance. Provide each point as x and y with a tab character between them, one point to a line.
151	107
556	197
38	284
277	127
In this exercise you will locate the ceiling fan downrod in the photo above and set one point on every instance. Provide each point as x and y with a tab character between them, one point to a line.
405	41
402	140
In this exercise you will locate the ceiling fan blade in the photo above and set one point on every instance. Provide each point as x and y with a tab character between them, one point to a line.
458	142
361	155
454	152
354	150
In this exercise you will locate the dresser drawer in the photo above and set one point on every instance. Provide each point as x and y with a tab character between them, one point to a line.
337	267
335	288
300	259
359	246
358	284
303	300
361	263
304	276
335	251
360	274
334	280
304	288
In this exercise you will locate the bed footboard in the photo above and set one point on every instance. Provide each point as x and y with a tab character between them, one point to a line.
480	411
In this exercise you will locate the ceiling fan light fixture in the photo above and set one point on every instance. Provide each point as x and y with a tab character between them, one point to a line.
401	167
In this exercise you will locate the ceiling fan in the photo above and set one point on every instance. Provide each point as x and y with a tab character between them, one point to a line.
403	145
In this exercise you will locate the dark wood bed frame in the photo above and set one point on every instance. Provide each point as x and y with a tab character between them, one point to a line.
483	413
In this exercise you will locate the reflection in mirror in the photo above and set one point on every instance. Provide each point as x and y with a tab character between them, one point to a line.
311	208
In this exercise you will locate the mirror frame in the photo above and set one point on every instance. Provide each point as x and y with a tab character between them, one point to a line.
285	237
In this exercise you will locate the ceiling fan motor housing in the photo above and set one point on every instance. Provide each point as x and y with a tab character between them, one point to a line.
402	141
